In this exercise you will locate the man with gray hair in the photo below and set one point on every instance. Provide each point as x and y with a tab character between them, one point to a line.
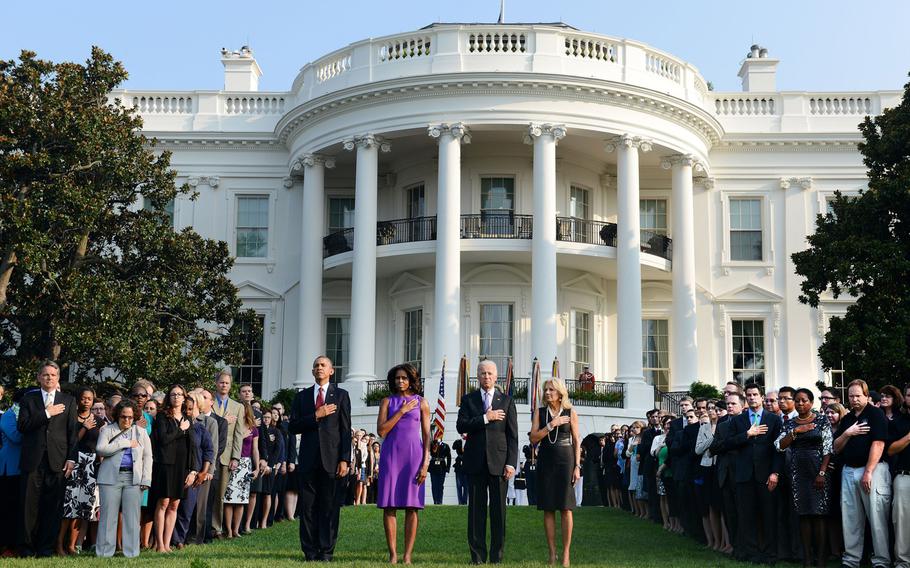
488	417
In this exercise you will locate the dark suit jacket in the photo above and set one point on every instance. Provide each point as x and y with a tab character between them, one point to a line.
167	437
489	447
57	436
683	452
325	442
646	465
726	456
757	457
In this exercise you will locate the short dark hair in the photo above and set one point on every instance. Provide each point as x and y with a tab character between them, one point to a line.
804	391
756	386
739	395
413	378
790	390
126	403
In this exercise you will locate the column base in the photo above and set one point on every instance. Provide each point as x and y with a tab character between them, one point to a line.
639	394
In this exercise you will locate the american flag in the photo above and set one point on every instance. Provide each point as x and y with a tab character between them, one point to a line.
535	385
439	416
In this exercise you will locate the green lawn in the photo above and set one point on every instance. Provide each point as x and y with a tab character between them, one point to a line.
602	537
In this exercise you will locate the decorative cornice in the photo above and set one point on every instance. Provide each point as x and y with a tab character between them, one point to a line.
609	93
629	141
668	162
557	131
192	142
457	130
804	182
211	181
369	140
786	146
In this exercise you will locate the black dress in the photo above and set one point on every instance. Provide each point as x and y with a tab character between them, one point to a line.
174	457
806	453
555	464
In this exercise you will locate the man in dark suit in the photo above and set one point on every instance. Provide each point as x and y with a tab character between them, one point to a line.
321	414
757	467
47	421
647	464
488	417
726	459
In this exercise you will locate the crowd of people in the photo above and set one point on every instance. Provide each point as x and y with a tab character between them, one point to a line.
759	476
149	470
772	476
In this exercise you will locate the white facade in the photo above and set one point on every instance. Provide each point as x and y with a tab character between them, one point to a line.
590	134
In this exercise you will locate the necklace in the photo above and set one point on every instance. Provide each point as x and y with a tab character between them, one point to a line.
807	419
555	430
84	418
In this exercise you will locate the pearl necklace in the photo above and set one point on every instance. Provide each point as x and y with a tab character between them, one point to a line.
556	430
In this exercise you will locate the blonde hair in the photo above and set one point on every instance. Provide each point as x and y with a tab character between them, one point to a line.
559	386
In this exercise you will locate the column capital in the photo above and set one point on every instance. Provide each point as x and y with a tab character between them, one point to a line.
369	140
211	181
629	141
308	161
557	131
458	130
803	182
707	182
668	162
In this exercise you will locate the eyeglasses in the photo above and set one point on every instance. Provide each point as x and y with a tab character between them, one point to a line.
123	417
827	398
180	394
786	398
140	395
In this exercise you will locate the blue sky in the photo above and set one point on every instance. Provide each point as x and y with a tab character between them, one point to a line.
823	45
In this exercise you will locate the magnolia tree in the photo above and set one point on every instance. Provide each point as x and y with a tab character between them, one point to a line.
862	249
88	276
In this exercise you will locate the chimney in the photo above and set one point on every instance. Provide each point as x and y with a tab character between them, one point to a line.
758	71
241	72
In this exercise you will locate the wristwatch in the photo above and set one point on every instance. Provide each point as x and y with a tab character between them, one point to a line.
822	473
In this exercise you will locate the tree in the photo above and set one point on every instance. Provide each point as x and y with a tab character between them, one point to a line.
862	249
87	275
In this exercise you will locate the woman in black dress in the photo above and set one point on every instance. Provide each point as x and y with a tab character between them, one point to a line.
555	428
174	467
808	436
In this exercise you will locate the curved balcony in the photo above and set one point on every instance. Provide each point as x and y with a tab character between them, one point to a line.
497	226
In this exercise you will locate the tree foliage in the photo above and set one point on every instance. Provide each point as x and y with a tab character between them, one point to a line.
862	249
87	275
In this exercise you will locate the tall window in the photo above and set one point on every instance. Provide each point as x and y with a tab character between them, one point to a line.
337	344
417	202
748	351
496	334
341	213
653	214
581	341
655	351
579	211
251	367
413	338
745	229
497	205
168	208
252	226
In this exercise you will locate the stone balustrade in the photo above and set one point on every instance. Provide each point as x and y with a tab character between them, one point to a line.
451	50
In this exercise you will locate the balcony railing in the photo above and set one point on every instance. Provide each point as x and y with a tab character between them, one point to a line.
406	231
497	226
519	387
668	401
600	394
572	230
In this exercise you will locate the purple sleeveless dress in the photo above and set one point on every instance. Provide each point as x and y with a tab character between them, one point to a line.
400	460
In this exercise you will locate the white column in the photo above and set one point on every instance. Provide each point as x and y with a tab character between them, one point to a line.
309	340
628	258
447	291
544	309
684	352
363	281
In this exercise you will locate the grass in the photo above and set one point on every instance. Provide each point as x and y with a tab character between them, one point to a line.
602	538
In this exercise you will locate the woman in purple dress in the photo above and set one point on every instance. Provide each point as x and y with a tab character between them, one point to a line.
405	456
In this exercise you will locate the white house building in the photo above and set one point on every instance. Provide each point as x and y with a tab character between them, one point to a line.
517	191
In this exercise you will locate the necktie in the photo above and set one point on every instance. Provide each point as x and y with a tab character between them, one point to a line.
319	399
486	400
755	419
48	400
